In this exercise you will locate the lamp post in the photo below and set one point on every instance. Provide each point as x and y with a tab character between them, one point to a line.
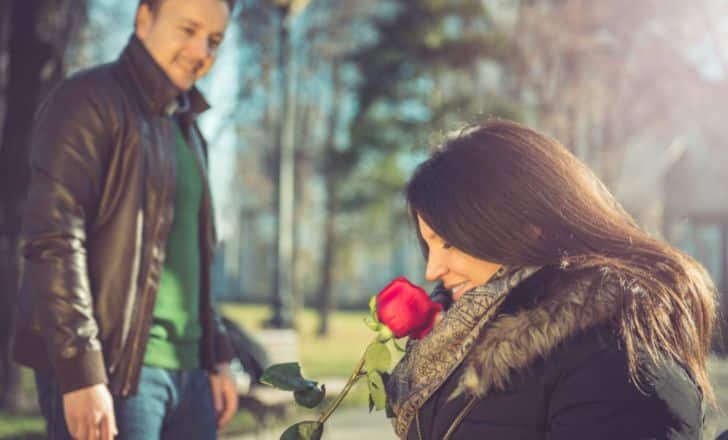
283	301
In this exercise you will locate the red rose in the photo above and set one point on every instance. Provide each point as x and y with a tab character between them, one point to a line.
406	309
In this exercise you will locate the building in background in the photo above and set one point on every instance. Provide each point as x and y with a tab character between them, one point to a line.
696	212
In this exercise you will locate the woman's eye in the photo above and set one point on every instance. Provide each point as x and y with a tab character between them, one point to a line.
188	31
446	245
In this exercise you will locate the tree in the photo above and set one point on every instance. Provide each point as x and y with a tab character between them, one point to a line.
376	82
422	46
259	20
318	37
417	45
324	297
604	77
39	34
333	32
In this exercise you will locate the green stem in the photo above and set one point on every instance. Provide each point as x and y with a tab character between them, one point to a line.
356	375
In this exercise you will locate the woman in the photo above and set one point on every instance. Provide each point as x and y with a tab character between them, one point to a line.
567	320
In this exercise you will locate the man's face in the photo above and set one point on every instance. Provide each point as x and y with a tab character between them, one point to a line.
183	36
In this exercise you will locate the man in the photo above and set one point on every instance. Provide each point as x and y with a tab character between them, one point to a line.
115	312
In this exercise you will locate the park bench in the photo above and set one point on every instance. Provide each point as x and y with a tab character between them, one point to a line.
255	351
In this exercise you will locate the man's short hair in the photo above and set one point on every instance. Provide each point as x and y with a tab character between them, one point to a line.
155	4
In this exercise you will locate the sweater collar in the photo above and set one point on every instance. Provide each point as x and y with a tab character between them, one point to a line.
158	94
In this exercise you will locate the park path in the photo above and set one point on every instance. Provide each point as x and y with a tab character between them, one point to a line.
345	424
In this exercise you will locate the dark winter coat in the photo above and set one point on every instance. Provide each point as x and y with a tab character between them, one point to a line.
580	389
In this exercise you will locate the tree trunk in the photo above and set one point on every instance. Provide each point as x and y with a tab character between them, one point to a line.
282	299
324	302
300	177
39	31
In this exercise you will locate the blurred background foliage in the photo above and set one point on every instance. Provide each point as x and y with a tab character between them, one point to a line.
364	89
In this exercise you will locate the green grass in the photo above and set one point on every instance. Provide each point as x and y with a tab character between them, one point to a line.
23	426
334	355
321	358
14	426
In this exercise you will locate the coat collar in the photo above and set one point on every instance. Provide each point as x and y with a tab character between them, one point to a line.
494	337
563	305
430	361
158	94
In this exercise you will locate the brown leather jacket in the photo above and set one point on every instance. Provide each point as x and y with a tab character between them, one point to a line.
99	210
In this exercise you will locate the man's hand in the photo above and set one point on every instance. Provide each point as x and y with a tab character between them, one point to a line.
224	394
90	413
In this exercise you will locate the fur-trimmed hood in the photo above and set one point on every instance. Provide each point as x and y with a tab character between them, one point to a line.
564	305
499	329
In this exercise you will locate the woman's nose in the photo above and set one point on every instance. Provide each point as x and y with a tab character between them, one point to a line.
435	268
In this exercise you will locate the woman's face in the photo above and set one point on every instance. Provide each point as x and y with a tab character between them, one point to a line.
458	271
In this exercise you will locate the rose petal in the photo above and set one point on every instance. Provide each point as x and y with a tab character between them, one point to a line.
406	308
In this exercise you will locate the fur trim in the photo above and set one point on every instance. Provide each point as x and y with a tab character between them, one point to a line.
513	342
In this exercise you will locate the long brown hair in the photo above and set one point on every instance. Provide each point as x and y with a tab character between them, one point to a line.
505	193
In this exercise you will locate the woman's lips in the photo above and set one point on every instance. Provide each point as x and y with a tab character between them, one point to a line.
458	289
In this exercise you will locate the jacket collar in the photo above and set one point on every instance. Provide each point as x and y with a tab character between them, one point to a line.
430	361
568	304
158	94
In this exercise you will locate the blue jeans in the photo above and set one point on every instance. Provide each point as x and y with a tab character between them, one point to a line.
169	404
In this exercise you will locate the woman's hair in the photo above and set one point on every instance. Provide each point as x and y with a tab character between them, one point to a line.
505	193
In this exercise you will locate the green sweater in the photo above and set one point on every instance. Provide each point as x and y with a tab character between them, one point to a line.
176	330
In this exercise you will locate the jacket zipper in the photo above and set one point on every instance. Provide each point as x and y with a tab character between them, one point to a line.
459	418
135	345
146	315
417	422
135	270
